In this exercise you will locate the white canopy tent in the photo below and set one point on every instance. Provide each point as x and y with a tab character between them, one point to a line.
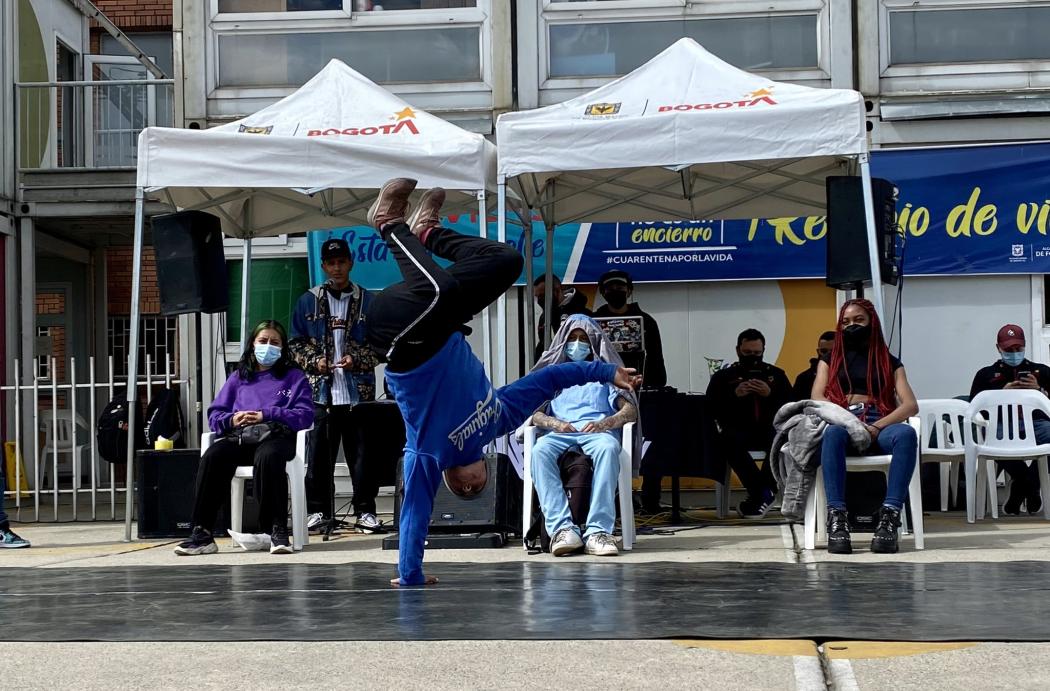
685	136
313	160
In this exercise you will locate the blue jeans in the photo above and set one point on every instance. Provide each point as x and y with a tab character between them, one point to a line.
604	450
899	440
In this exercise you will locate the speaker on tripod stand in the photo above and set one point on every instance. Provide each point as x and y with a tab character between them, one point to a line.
847	239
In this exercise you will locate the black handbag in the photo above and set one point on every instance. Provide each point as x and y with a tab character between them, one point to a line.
259	432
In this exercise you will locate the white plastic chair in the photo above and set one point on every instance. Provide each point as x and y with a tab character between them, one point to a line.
944	422
816	504
296	470
1006	430
59	436
624	483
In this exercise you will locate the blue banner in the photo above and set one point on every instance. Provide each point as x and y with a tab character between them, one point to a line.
971	210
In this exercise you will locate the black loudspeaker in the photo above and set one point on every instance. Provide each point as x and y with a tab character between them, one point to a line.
191	266
165	487
847	239
497	508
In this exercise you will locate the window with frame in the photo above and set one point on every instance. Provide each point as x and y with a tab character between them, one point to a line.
957	35
609	49
158	338
254	6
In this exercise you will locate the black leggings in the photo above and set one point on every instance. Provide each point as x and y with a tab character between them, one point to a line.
412	320
220	462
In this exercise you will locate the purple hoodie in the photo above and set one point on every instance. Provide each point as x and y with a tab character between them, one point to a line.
287	399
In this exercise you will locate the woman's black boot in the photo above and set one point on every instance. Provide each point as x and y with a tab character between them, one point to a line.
887	531
838	532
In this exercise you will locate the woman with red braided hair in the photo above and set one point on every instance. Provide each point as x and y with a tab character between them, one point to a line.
863	377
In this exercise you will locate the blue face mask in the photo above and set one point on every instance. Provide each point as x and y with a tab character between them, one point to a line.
577	351
1012	359
267	354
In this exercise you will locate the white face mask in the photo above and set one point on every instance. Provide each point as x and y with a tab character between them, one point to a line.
267	354
1012	359
577	351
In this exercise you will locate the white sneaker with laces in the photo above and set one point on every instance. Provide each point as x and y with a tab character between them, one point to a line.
314	521
368	523
566	541
601	545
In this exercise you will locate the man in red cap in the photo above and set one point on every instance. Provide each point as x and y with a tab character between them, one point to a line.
1013	371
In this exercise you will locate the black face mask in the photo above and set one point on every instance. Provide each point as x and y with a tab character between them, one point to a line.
856	336
750	360
616	298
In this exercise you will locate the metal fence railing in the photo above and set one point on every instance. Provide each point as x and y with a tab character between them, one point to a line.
60	463
88	124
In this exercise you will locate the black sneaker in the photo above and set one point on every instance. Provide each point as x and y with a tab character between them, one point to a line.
1012	507
1034	503
756	508
887	531
200	542
279	540
838	532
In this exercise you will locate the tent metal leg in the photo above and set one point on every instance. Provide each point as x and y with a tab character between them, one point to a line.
548	286
246	285
530	303
133	365
501	303
873	244
486	329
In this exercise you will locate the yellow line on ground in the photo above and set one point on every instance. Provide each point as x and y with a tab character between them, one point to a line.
777	647
866	650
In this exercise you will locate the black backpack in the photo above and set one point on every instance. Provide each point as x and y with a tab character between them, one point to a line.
164	419
112	434
577	473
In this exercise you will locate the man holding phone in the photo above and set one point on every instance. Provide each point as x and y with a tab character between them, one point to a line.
744	398
1013	371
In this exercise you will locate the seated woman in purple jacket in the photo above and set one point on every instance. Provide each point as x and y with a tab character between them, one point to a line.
266	388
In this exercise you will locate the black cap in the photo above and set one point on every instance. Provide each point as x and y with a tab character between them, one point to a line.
615	276
334	248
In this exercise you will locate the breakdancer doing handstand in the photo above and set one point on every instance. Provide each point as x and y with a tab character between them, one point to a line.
450	409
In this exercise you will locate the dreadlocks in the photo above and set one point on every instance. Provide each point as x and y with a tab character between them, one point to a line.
880	373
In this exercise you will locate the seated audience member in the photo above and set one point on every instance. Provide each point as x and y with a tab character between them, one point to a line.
803	387
587	418
863	377
616	289
744	398
1013	371
565	300
267	393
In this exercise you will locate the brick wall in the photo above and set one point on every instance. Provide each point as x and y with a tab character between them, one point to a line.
138	15
55	303
118	282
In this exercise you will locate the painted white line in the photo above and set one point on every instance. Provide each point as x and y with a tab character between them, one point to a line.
809	675
577	252
842	678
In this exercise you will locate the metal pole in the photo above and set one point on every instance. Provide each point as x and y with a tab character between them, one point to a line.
246	262
548	286
133	365
501	303
486	329
199	381
530	302
873	245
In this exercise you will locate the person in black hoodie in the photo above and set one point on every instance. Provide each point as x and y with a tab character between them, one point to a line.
564	301
744	397
617	288
1014	371
803	387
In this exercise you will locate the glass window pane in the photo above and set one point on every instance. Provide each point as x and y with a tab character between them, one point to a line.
431	55
751	43
275	286
279	5
155	44
979	35
328	5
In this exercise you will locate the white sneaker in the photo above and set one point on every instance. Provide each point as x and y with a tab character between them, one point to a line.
601	545
566	541
368	523
315	521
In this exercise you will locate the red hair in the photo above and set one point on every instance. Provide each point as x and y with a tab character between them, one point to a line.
880	372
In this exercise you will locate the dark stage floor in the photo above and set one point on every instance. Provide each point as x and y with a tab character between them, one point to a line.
543	601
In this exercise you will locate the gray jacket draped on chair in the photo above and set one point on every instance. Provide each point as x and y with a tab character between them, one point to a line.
796	447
